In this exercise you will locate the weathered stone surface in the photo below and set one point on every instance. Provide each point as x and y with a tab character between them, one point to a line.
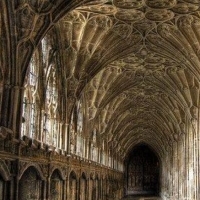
84	82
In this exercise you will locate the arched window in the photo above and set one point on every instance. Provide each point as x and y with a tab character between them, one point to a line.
29	113
80	143
50	120
40	119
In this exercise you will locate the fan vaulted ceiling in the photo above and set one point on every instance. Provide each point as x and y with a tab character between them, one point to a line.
137	64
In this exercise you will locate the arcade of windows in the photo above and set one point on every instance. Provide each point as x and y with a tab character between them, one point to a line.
42	105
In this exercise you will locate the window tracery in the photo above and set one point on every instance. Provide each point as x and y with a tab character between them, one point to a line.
41	110
40	119
29	114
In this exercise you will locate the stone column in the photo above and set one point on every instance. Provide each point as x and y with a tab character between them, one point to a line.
65	189
16	188
48	188
44	189
88	189
78	189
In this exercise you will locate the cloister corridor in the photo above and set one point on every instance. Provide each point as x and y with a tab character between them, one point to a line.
99	99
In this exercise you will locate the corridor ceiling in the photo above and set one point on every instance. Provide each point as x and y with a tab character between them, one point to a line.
137	64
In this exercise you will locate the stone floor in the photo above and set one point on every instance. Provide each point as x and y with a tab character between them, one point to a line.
141	198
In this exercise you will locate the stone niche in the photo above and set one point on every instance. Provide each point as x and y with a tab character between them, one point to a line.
72	186
56	186
30	185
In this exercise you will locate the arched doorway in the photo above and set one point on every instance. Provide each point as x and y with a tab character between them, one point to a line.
142	170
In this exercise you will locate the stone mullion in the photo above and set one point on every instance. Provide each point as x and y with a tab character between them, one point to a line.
16	188
78	189
169	174
187	159
104	189
184	165
65	189
177	168
195	139
90	187
65	136
173	173
191	161
100	190
48	188
181	168
87	147
60	135
43	135
87	188
45	190
198	155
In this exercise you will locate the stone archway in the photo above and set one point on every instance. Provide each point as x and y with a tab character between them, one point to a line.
143	171
83	187
73	186
56	186
30	185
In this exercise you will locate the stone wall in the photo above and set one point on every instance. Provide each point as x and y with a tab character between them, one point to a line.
30	171
180	166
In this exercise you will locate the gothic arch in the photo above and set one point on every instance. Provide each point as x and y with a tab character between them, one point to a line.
60	171
84	175
83	186
151	147
73	182
25	166
31	184
56	185
73	174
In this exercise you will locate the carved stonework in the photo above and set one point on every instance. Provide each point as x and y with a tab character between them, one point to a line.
82	82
